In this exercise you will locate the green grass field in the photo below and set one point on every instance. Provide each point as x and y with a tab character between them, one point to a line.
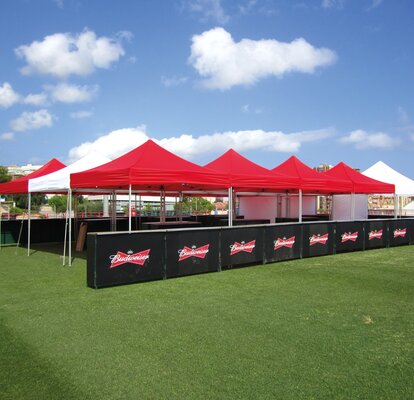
335	327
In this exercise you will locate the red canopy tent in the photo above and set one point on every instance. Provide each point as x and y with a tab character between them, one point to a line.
310	180
359	182
149	167
361	185
21	185
243	174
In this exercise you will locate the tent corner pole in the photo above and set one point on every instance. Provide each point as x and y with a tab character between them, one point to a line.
28	224
70	228
230	206
129	209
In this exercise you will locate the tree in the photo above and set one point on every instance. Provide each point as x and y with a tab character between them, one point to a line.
4	175
195	204
59	203
21	200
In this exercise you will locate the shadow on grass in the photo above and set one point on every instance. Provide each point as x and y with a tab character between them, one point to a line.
25	375
52	248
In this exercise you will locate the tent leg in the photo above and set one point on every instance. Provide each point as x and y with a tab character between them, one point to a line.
395	206
129	209
230	210
28	225
70	228
353	206
66	233
300	205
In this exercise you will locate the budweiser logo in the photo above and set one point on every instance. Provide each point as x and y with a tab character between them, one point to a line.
375	235
349	236
284	242
322	239
237	247
400	232
187	252
130	257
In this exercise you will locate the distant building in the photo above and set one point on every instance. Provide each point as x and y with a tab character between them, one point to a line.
18	171
322	167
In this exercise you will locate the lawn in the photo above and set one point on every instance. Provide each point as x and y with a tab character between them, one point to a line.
334	327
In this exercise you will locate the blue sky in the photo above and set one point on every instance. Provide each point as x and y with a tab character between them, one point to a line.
326	80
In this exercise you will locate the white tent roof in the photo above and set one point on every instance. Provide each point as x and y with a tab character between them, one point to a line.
59	181
384	173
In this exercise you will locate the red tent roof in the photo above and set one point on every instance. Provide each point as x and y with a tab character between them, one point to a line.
148	167
360	183
244	174
311	180
21	185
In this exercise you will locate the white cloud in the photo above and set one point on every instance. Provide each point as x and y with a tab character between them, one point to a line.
173	81
8	96
7	136
81	114
225	63
113	144
67	93
247	6
59	3
209	10
374	4
63	54
364	140
32	120
247	109
39	99
333	3
120	141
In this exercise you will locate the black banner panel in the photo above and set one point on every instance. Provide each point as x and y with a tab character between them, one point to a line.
192	252
349	236
376	234
241	246
283	242
399	231
125	258
411	225
318	239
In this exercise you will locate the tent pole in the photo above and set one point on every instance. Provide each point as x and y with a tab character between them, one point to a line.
28	225
136	210
66	232
353	206
21	227
70	228
300	205
395	205
180	210
230	207
129	208
140	211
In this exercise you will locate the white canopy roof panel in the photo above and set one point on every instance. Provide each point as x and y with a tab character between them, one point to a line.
384	173
59	181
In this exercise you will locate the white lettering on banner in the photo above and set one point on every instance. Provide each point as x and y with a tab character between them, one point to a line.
130	257
187	252
237	247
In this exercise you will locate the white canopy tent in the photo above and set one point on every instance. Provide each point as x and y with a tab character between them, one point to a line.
404	186
59	182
